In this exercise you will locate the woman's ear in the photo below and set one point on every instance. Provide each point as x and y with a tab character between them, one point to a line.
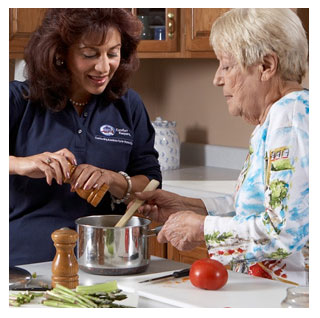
269	66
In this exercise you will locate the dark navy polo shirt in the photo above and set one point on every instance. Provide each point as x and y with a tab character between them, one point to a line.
115	136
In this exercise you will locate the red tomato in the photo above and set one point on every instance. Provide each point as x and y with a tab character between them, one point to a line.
207	273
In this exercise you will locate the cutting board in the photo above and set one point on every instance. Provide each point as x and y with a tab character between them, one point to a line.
241	291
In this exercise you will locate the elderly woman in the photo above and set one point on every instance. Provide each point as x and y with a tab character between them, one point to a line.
262	230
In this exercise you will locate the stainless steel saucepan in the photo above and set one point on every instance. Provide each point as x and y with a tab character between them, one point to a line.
104	249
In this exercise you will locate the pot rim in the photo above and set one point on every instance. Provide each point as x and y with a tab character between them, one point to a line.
78	221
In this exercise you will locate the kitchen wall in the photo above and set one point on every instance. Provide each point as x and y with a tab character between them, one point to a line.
182	90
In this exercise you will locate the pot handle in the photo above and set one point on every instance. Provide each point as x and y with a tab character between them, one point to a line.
153	232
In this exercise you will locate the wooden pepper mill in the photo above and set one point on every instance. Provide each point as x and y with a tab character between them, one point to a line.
93	196
65	266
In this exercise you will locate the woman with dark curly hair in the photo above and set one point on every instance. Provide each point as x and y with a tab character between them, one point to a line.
75	107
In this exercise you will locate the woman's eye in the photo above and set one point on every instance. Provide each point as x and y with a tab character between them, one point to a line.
89	53
88	56
113	54
225	68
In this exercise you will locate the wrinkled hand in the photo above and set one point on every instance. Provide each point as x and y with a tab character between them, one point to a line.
49	165
159	204
86	177
184	230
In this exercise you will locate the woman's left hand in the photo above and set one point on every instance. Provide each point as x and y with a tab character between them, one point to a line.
87	177
184	230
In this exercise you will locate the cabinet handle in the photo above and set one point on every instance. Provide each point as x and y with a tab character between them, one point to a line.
171	25
170	15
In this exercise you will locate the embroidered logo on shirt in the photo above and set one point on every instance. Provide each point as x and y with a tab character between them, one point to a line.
117	135
107	130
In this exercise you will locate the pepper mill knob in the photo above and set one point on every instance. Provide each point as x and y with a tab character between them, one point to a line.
93	196
65	266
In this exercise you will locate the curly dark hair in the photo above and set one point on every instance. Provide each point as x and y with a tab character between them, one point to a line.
49	83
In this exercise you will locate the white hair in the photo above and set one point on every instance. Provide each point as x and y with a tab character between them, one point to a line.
250	34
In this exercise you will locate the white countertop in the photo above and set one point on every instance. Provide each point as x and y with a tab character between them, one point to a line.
200	181
241	291
199	188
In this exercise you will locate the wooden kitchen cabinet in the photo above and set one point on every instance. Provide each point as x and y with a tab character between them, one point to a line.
153	19
187	257
192	27
22	22
198	22
168	251
186	31
155	248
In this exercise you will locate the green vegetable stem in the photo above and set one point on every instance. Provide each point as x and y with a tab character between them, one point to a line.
104	287
94	296
17	300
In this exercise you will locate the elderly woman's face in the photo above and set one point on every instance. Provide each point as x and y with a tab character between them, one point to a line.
240	88
92	66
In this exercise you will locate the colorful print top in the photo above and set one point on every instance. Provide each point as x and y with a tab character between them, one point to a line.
269	231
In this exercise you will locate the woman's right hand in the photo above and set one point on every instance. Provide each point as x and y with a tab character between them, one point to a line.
159	204
49	165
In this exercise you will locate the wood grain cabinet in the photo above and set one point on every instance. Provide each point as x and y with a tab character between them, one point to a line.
166	250
22	22
168	32
161	32
198	22
184	32
187	34
187	256
170	252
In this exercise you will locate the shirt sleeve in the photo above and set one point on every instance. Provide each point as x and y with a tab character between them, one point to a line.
222	205
281	227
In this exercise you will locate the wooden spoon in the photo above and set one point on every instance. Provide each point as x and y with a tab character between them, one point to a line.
152	185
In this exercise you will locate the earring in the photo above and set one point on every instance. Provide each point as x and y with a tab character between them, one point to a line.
59	62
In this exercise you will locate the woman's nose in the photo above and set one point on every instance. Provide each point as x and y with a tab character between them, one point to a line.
103	65
218	79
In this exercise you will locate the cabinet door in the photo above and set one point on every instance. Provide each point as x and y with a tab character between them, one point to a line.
198	27
154	247
22	22
161	29
187	257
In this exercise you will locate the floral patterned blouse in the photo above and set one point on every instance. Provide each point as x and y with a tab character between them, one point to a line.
263	230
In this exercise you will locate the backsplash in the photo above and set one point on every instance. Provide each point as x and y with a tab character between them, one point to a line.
213	156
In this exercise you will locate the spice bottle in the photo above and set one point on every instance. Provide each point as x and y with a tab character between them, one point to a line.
93	196
64	265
